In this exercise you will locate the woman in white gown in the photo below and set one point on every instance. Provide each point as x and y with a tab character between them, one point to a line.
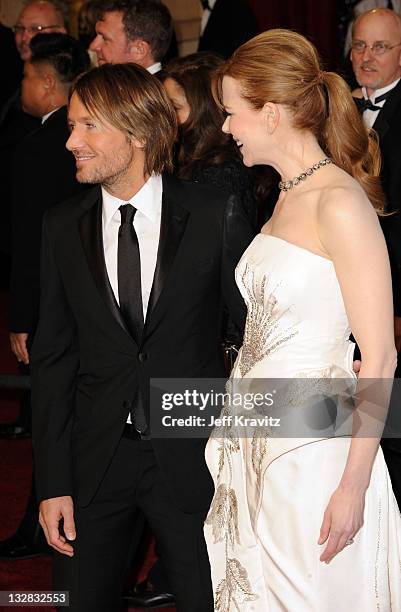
305	524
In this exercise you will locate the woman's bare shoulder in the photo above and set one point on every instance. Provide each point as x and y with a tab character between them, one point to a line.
343	199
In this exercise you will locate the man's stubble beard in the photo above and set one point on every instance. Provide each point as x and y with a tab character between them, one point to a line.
110	174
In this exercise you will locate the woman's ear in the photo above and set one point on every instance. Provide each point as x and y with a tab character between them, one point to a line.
272	116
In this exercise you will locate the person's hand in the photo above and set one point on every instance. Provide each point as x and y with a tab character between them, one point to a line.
397	333
51	511
342	519
18	346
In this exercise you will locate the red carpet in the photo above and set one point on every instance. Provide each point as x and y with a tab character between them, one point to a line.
16	463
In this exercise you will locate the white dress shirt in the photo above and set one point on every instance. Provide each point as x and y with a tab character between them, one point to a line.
370	116
45	117
154	68
206	14
148	202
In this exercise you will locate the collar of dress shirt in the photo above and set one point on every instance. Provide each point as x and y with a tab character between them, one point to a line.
45	117
147	200
379	92
154	68
211	4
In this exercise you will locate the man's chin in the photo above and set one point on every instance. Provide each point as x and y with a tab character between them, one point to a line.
370	83
85	178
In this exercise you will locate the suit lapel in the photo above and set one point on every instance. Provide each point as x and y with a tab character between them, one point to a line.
382	123
90	229
172	227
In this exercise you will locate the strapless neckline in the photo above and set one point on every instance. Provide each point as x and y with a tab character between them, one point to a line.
296	246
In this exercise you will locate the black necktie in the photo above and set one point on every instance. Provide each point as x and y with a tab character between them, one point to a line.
130	294
367	104
129	273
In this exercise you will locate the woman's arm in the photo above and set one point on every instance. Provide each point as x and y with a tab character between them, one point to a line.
350	234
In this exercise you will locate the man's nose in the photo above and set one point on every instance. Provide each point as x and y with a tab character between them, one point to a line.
26	36
95	44
367	54
74	141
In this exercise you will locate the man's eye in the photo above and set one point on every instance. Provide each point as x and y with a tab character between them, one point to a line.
71	126
380	46
90	125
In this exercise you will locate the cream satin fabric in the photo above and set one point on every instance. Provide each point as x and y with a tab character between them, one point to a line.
271	492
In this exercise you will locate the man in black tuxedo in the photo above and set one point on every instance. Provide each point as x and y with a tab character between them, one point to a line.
376	61
129	292
37	16
138	31
226	25
43	174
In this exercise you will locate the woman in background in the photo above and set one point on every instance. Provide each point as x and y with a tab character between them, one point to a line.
204	153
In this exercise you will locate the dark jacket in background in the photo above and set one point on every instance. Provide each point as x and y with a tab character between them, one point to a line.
230	24
11	66
43	174
14	126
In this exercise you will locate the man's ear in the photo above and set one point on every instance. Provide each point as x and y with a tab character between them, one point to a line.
271	113
139	50
137	144
49	82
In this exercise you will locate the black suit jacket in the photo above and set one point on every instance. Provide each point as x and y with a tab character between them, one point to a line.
43	175
230	24
388	128
14	126
12	66
87	368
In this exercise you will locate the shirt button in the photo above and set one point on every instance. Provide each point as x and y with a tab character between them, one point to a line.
126	404
142	357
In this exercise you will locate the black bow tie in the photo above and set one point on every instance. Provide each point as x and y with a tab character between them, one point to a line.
206	5
367	104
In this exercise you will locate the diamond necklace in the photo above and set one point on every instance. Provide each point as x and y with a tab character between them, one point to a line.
286	185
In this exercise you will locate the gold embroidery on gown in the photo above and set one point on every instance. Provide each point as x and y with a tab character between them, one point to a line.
262	334
234	589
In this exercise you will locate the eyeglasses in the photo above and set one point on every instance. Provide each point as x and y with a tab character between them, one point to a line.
19	29
378	48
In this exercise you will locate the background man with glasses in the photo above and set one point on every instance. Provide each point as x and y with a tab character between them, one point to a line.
38	16
376	62
376	59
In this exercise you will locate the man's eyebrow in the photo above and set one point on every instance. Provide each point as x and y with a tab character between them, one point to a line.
358	39
82	119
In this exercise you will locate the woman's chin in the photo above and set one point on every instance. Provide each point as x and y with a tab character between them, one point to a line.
247	161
